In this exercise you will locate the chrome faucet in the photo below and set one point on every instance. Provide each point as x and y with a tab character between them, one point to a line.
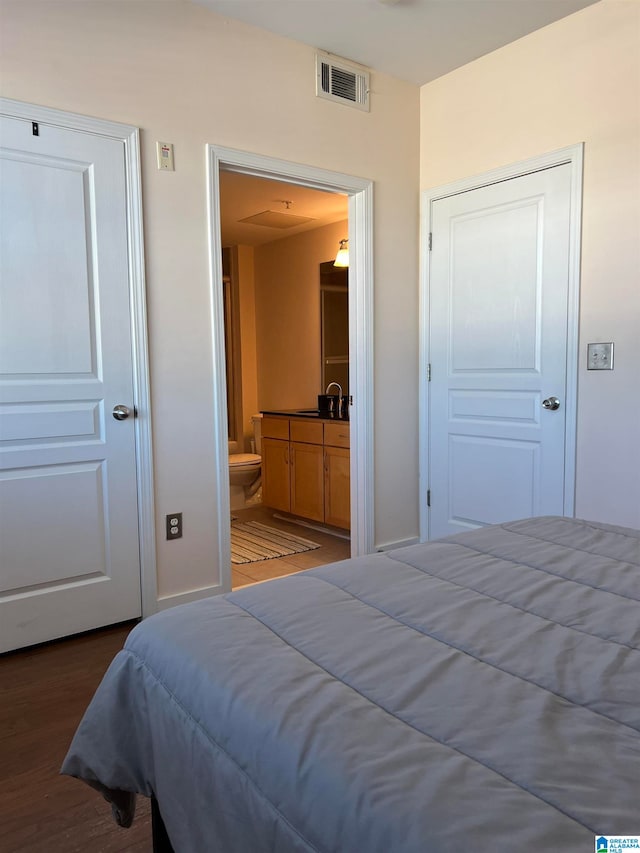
337	409
338	386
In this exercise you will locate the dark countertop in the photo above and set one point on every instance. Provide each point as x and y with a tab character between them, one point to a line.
314	414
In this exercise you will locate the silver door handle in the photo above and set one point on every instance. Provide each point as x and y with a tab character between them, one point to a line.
121	413
551	403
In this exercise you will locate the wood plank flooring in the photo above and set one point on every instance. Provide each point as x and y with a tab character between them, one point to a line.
44	692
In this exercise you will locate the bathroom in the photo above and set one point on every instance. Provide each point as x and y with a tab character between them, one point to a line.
274	343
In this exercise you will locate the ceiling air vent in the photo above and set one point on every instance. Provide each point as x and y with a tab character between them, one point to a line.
342	81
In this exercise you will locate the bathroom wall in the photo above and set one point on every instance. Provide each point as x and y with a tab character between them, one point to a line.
287	287
279	299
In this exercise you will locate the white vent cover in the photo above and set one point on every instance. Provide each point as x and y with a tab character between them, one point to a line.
342	81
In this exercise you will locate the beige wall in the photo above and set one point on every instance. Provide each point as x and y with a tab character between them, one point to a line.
577	80
288	316
279	290
187	76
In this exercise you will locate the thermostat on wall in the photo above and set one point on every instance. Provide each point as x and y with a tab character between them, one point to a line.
165	156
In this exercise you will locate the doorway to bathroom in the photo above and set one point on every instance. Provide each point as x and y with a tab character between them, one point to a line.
286	342
273	225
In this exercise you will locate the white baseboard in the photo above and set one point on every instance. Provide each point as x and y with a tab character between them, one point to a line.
186	597
389	546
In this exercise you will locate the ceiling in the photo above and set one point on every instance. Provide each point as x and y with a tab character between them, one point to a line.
244	195
415	40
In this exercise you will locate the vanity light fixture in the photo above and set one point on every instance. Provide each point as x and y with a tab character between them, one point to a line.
342	258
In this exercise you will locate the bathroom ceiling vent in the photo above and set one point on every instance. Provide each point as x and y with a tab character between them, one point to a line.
342	81
276	219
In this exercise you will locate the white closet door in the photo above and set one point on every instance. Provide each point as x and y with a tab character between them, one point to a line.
498	350
69	554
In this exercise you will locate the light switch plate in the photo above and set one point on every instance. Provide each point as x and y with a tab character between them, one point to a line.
600	356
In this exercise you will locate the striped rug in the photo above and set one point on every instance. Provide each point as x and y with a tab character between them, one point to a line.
252	541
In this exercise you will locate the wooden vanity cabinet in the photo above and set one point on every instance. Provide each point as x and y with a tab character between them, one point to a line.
337	503
275	474
276	491
305	469
337	475
307	481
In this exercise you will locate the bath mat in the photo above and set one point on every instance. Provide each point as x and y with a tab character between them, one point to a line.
252	541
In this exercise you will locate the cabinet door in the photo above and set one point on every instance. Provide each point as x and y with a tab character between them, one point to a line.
275	474
307	481
337	501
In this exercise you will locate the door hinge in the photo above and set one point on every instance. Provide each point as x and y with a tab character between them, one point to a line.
429	372
428	497
430	240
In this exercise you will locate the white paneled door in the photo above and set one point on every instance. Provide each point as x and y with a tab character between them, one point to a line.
69	555
498	351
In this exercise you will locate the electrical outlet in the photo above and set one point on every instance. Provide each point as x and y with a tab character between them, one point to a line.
174	525
600	356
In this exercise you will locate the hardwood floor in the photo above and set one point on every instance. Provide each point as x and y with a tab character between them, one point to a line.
332	548
43	693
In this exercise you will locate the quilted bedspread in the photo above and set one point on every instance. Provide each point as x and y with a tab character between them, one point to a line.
480	692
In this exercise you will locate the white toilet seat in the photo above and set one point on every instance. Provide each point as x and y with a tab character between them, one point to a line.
244	460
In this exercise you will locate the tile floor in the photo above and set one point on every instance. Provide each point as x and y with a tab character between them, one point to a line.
332	548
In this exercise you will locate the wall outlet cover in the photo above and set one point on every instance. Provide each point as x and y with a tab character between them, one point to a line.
174	525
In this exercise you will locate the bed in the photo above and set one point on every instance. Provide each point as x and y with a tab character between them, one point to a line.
480	692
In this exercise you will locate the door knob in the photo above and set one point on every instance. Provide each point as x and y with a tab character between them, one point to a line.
121	413
551	403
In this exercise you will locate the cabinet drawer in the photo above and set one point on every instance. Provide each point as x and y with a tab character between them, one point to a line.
309	432
337	435
275	427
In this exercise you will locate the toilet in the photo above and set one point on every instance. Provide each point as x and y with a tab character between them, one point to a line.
245	470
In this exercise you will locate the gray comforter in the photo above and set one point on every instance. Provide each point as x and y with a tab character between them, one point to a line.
480	692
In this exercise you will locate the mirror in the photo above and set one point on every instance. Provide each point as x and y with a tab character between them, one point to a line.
334	319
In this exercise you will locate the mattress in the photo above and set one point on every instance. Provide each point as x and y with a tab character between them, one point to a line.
478	692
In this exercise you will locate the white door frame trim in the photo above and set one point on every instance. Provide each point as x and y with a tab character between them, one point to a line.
360	192
574	156
130	138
